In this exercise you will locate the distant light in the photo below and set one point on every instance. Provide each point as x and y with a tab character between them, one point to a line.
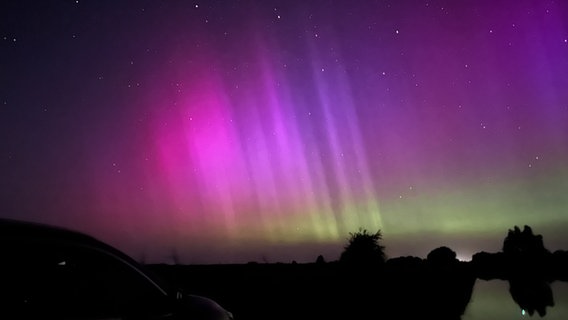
62	263
462	257
523	312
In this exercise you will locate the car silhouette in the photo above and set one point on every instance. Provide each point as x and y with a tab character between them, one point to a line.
48	272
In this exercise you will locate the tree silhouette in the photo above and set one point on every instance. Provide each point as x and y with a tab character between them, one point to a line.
524	243
449	284
361	261
527	261
442	256
363	249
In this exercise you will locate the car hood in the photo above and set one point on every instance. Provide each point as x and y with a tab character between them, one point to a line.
199	307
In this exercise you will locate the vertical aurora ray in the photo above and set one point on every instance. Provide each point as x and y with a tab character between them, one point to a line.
292	178
355	202
203	157
214	148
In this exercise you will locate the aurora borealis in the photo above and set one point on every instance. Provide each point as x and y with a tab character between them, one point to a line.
231	131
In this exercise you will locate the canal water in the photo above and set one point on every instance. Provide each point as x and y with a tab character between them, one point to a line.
492	300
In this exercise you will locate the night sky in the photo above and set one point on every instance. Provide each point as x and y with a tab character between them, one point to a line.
235	131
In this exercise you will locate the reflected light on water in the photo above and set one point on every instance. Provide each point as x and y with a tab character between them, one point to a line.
492	300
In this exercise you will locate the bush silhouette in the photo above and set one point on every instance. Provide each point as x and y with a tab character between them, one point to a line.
363	249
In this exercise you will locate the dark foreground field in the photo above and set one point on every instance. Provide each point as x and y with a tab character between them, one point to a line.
328	290
438	287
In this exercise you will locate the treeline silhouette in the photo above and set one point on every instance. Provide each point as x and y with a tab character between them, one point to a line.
365	284
528	266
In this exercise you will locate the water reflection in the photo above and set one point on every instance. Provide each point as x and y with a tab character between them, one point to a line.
492	300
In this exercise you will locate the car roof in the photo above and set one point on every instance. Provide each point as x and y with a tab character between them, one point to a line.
15	232
12	225
18	229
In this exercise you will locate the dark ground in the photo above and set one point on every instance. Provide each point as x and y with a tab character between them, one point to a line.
438	287
408	289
